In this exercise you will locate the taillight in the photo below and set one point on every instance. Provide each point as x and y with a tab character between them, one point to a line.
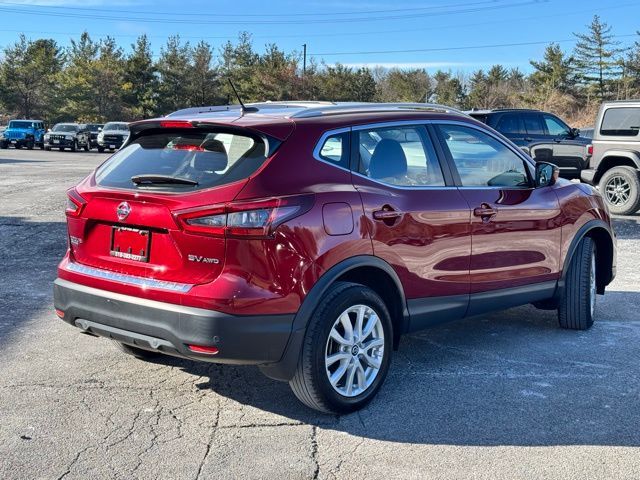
590	149
75	203
245	219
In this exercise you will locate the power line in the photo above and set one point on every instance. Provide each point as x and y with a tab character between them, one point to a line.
199	21
260	15
447	49
429	28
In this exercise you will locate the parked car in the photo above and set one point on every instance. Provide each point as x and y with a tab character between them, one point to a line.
306	238
94	131
543	135
112	136
67	135
23	133
615	163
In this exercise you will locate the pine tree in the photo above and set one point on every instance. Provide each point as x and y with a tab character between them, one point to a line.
597	58
174	68
140	87
78	81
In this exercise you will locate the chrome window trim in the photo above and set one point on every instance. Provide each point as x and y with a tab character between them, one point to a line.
321	141
484	129
129	279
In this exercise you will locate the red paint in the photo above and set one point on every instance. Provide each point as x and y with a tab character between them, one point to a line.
436	244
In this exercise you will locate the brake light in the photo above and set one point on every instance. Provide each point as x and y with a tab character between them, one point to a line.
189	148
175	124
75	203
257	219
590	149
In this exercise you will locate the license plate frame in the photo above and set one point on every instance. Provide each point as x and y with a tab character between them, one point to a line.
112	147
56	142
142	245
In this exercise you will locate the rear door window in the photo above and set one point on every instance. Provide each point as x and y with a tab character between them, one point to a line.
183	160
510	124
533	123
621	122
402	156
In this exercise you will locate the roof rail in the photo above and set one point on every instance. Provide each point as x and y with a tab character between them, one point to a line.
356	107
309	109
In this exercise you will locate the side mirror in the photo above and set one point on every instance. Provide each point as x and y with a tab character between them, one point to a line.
546	174
99	129
574	132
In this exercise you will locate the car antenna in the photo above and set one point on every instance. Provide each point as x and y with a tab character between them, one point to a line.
243	107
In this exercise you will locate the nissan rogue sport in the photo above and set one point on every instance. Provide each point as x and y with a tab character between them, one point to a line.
306	238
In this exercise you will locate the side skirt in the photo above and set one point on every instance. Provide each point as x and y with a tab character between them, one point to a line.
431	311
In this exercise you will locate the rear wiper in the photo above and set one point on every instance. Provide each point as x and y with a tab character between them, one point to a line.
154	179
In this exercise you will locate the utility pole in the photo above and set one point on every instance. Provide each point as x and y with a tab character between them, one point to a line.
304	69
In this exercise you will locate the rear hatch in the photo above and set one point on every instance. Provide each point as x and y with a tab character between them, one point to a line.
127	218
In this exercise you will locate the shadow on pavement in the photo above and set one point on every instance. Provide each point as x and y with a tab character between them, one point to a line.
511	378
29	252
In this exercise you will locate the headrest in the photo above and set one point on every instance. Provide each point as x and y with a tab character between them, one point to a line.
213	159
388	160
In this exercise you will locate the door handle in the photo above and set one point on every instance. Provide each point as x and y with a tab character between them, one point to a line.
527	139
386	213
485	211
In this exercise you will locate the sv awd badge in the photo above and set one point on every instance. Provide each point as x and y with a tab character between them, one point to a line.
201	259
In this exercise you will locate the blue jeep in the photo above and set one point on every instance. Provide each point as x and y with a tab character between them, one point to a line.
23	133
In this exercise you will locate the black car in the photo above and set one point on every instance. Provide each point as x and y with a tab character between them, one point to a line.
67	135
94	130
543	135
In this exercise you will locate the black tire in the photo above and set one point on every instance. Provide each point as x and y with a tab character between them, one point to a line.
629	176
86	147
48	149
30	145
61	149
18	146
310	382
4	145
575	310
138	353
74	146
42	146
101	149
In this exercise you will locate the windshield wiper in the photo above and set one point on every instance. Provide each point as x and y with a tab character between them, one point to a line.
154	179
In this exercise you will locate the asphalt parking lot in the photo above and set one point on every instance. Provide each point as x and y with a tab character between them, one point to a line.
502	396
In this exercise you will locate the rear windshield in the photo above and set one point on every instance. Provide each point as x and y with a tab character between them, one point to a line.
19	124
209	158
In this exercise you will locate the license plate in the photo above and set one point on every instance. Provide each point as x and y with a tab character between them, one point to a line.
56	142
130	243
112	146
14	141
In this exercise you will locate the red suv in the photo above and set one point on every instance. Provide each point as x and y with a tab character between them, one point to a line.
306	238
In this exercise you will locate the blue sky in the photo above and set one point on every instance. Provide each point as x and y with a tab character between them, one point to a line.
457	35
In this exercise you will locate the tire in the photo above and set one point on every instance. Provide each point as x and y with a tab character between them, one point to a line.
311	383
30	146
576	307
18	146
42	146
74	146
101	149
620	188
138	353
86	147
4	146
48	149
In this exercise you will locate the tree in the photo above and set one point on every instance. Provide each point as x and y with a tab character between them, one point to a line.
397	85
448	89
140	88
77	81
554	72
342	84
174	68
597	58
108	81
238	63
205	87
28	77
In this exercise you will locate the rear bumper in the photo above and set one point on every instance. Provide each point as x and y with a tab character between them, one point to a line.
169	328
587	175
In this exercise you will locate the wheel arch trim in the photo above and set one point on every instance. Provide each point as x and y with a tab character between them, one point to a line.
285	368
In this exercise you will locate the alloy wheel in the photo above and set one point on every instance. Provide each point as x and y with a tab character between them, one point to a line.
617	190
354	350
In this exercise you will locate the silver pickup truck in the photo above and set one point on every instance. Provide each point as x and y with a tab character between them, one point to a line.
615	163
